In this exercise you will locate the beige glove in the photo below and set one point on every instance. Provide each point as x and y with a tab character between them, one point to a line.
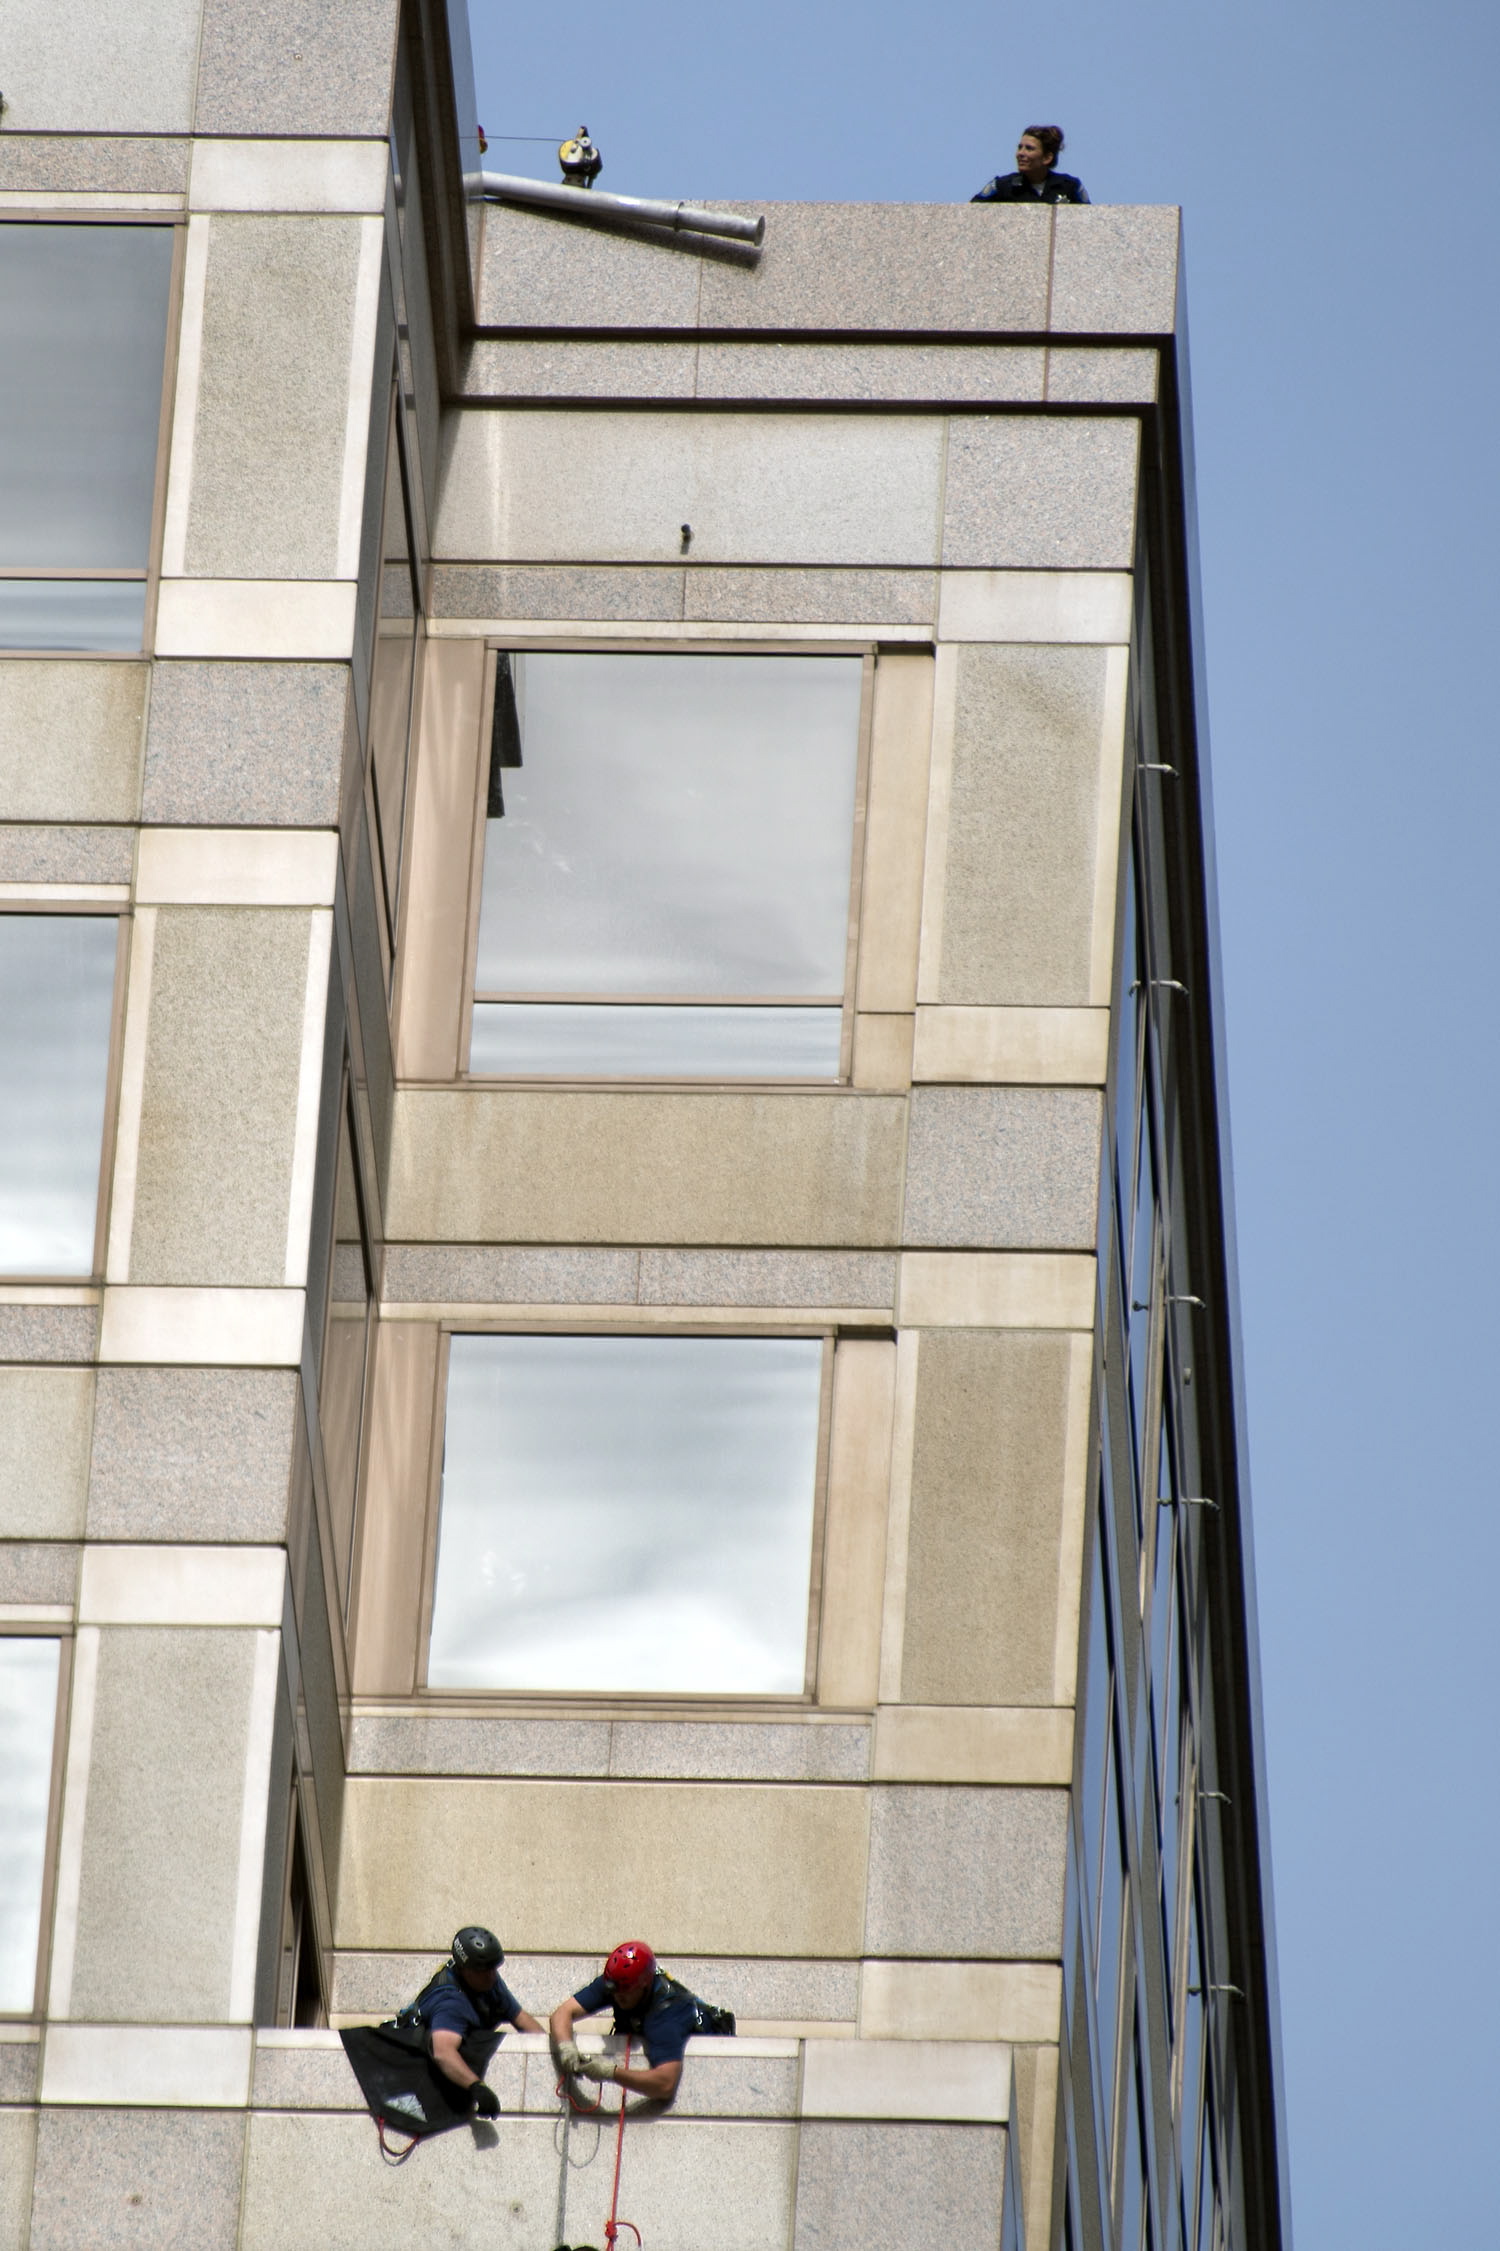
600	2068
567	2056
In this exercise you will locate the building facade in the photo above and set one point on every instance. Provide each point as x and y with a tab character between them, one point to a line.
617	1309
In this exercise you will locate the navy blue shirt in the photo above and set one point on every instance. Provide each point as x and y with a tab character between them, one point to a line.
451	2006
663	2020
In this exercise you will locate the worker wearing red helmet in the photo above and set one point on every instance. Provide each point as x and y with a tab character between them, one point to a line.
649	2007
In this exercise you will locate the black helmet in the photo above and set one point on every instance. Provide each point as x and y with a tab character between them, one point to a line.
475	1948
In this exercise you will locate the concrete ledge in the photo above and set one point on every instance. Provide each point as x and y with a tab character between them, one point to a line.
181	1586
952	2080
959	1743
236	867
1012	1046
189	2067
1066	606
202	1328
960	2000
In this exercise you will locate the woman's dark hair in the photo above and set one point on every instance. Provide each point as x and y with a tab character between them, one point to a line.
1049	138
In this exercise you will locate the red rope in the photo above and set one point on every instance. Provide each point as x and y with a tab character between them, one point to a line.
612	2226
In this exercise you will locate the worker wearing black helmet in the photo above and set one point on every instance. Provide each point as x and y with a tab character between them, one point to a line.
1036	178
464	2010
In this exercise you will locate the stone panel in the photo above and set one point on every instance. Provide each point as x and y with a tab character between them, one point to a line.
965	1874
192	1454
756	488
411	1847
887	266
223	1058
137	2180
296	67
561	368
986	1517
1023	827
541	271
161	1841
18	2069
898	2184
777	1992
806	597
48	1332
542	591
66	855
1003	1168
1118	377
268	444
768	1278
70	737
1114	269
44	1451
907	374
739	1750
38	1571
245	745
417	1274
565	1167
60	163
100	66
443	1743
17	2147
1038	493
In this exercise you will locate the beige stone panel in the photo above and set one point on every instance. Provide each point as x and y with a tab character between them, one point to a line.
1076	1469
1111	815
272	398
412	1849
1012	1046
756	488
882	1053
996	1290
915	2078
1048	606
17	2149
986	1508
1023	827
859	1471
393	1530
534	1166
939	813
444	806
70	740
101	66
895	832
161	1842
46	1419
219	1105
967	1743
1036	2070
959	2000
898	1521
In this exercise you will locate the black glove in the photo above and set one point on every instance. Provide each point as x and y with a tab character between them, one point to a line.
483	2101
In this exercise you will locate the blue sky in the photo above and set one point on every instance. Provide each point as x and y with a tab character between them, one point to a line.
1336	164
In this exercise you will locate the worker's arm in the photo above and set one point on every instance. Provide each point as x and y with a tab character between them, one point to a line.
526	2022
445	2047
659	2081
560	2032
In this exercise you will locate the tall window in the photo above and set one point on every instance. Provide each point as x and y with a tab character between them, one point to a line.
668	858
341	1397
28	1710
627	1513
394	680
57	981
83	318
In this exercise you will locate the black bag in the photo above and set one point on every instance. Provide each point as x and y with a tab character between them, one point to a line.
400	2082
716	2023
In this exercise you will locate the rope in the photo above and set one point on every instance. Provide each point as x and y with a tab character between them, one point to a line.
612	2225
393	2156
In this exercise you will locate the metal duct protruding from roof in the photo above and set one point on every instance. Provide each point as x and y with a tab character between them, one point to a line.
505	187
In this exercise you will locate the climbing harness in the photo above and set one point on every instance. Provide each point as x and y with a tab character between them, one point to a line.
614	2226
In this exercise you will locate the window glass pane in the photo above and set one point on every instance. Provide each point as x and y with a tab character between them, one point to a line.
391	685
677	825
341	1401
57	979
83	311
1112	1906
1097	1694
627	1513
106	614
537	1038
28	1706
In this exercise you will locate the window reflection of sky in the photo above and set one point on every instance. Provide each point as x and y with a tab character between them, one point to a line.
538	1039
28	1703
57	975
680	824
627	1514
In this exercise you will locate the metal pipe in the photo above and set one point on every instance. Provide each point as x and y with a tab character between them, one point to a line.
509	188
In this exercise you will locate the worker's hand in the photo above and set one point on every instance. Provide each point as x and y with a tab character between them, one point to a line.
601	2068
567	2056
484	2102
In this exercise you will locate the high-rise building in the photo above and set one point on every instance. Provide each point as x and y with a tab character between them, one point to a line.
618	1304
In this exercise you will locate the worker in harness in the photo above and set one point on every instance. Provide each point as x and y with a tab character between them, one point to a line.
464	2011
648	2006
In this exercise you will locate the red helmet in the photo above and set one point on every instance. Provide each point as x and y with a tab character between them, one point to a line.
630	1963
